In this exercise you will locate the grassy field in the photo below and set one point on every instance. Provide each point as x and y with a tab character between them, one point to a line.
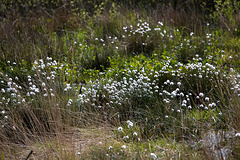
120	80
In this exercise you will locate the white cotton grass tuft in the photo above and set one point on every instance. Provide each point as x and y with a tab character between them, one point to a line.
153	155
207	99
237	135
130	124
135	134
131	83
123	146
120	129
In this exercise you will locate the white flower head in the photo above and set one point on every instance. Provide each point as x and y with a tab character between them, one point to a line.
206	99
123	147
120	129
179	84
201	94
135	134
153	155
130	124
237	135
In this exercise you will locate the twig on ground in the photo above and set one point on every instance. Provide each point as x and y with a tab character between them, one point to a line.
29	155
55	152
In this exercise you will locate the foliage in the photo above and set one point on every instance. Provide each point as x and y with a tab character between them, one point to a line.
70	64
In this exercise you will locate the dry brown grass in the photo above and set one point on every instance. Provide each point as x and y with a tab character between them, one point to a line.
68	145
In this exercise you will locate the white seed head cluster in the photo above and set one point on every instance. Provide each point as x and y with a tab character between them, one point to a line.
132	83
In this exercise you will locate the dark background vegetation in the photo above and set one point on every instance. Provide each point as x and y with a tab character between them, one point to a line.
32	21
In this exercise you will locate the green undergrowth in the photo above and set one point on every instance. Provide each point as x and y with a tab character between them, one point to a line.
161	82
161	149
